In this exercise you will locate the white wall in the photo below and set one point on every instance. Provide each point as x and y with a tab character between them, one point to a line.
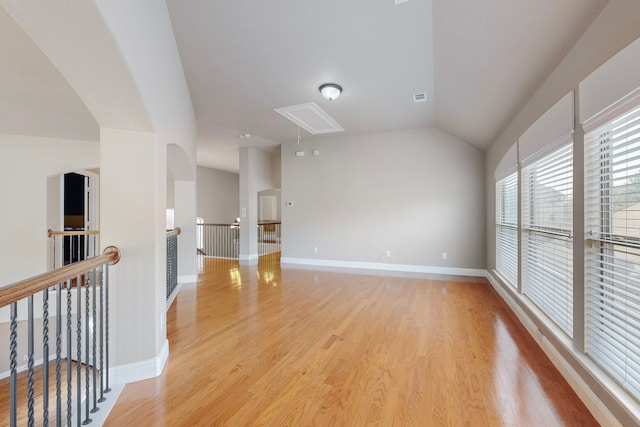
122	59
415	193
256	174
25	164
218	193
276	170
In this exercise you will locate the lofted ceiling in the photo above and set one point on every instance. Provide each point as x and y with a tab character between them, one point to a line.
478	62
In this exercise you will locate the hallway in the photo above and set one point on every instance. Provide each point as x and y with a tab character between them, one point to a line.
264	345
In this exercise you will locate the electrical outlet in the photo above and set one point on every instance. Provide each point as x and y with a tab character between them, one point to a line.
315	249
388	254
444	256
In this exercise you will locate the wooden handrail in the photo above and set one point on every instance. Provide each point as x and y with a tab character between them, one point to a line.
52	233
20	290
175	232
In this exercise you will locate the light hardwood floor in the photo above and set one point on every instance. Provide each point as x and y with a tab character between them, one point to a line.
265	346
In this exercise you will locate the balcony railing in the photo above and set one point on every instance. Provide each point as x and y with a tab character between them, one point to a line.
172	260
59	320
219	240
71	246
268	238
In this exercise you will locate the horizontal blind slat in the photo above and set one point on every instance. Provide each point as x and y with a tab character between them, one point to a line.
547	215
612	212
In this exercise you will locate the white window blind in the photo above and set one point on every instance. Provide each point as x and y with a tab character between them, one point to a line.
612	209
547	217
507	228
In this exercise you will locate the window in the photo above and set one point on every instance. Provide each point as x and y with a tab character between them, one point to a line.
612	219
547	217
507	228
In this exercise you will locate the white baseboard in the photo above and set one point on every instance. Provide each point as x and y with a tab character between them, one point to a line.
142	370
597	408
406	268
22	368
99	418
173	295
248	257
188	278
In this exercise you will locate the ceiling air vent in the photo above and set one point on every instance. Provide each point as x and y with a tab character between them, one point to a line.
419	97
311	118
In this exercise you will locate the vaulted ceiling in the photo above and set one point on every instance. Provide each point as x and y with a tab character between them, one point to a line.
478	62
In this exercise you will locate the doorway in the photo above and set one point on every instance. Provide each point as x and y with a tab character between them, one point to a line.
72	209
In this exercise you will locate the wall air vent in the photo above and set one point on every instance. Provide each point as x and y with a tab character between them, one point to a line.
311	118
419	97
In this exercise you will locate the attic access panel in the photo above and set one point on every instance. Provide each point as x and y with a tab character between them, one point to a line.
310	117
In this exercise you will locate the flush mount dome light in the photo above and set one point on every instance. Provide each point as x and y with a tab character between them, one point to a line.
330	91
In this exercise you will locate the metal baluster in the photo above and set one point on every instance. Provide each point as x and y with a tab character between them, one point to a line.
45	357
69	372
236	240
106	325
30	355
102	398
58	355
93	340
87	343
13	364
79	349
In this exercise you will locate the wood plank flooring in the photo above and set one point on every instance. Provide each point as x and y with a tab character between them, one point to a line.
265	346
22	413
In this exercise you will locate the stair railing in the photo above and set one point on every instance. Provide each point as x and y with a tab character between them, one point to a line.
172	260
269	237
71	246
82	290
219	240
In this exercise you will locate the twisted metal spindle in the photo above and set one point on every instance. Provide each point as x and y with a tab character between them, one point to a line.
93	341
102	398
13	364
69	372
59	355
45	358
106	304
30	367
87	326
79	350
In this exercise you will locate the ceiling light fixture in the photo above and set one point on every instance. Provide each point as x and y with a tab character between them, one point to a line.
244	136
330	91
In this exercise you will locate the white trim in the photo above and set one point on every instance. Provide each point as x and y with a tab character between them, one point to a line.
553	125
98	418
250	257
22	368
597	408
187	278
142	370
385	267
173	296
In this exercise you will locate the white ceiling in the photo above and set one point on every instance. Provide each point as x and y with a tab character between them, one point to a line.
478	62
